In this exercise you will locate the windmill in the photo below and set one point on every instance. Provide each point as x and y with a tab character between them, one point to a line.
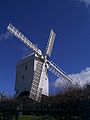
32	71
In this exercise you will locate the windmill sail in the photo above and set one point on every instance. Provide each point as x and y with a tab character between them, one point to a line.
22	38
58	72
35	93
50	43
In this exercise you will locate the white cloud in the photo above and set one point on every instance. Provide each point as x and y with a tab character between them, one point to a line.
81	79
25	51
86	2
5	36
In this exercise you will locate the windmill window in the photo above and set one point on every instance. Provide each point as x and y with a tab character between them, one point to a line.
26	67
23	76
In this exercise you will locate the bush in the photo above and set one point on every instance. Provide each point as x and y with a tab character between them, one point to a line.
73	104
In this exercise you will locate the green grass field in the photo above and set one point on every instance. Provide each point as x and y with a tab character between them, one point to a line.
28	117
32	117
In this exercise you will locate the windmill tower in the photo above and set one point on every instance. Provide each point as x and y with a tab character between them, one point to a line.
32	71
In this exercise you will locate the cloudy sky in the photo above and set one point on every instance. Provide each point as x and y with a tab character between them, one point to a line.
70	20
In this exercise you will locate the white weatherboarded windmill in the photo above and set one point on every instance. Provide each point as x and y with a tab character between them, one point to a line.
32	71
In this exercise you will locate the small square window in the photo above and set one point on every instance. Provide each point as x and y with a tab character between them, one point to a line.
23	76
26	67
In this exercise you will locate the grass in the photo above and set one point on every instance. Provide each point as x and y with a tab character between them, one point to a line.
33	117
29	117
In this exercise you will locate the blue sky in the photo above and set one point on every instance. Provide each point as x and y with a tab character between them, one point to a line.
70	20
